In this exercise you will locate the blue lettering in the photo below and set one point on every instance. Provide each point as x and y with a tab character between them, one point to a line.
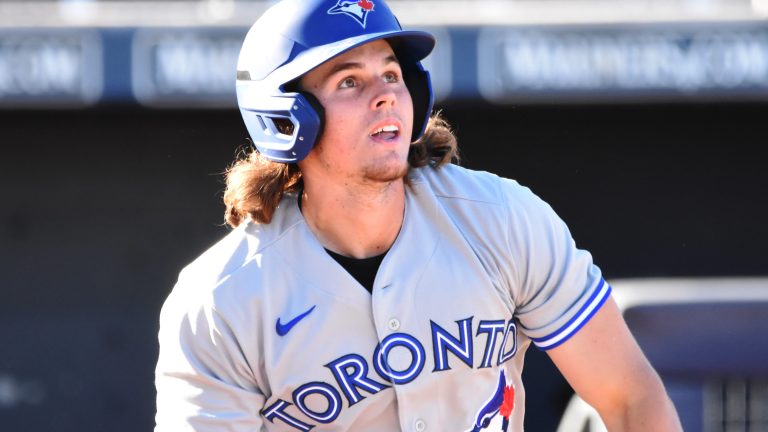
351	372
327	391
493	328
381	358
511	331
442	342
277	410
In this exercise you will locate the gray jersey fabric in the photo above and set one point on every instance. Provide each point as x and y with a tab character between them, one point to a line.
266	332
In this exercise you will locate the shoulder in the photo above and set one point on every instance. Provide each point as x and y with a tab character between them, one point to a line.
237	256
452	182
493	211
239	247
455	182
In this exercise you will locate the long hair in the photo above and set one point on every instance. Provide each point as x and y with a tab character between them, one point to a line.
255	184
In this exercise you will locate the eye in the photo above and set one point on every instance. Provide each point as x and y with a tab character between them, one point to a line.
348	82
391	77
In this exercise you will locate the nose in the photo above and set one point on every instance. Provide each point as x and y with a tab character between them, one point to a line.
385	96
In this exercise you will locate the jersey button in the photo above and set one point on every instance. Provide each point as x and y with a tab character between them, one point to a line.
394	324
420	425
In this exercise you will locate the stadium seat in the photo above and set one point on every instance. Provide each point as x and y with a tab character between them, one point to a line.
706	338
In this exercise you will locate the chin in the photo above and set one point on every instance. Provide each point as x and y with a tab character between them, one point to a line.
386	173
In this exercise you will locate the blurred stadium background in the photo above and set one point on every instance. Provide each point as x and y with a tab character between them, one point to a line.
639	121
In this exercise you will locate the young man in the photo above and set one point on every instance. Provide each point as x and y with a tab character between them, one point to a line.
369	284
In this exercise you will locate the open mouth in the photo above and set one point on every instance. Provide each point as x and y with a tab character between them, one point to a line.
388	132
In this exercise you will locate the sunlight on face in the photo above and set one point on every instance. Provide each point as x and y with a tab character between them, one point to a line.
368	116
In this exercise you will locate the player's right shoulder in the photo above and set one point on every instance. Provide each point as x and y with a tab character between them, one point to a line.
224	257
240	255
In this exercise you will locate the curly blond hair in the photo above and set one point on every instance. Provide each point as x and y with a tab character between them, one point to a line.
255	184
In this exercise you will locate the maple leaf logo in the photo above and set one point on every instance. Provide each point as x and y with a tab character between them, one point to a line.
366	5
509	401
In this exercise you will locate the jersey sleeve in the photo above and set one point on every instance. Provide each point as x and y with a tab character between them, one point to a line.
203	380
557	287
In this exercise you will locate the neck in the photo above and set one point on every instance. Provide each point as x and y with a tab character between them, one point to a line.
358	222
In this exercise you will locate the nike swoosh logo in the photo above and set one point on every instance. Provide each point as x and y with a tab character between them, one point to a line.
283	329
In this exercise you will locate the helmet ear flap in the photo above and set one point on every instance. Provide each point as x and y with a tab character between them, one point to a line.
285	127
315	104
419	85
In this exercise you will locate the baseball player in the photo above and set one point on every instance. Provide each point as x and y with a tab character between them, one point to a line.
369	284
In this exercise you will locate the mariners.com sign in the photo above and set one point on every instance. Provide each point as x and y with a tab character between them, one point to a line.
637	63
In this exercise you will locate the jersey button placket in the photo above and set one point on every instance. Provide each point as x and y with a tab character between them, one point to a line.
420	425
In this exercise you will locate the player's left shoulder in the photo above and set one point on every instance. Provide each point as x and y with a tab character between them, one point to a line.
500	195
453	182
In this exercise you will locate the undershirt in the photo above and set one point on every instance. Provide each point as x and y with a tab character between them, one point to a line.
362	269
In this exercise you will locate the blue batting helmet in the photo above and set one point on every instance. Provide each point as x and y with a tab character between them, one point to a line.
295	36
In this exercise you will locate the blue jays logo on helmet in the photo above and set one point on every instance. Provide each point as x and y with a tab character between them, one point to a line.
358	10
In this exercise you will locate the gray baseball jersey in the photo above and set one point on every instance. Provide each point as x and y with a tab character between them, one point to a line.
266	332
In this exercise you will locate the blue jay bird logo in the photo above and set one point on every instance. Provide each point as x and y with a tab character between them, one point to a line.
501	402
358	10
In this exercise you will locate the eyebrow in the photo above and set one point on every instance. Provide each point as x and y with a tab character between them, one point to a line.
356	65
